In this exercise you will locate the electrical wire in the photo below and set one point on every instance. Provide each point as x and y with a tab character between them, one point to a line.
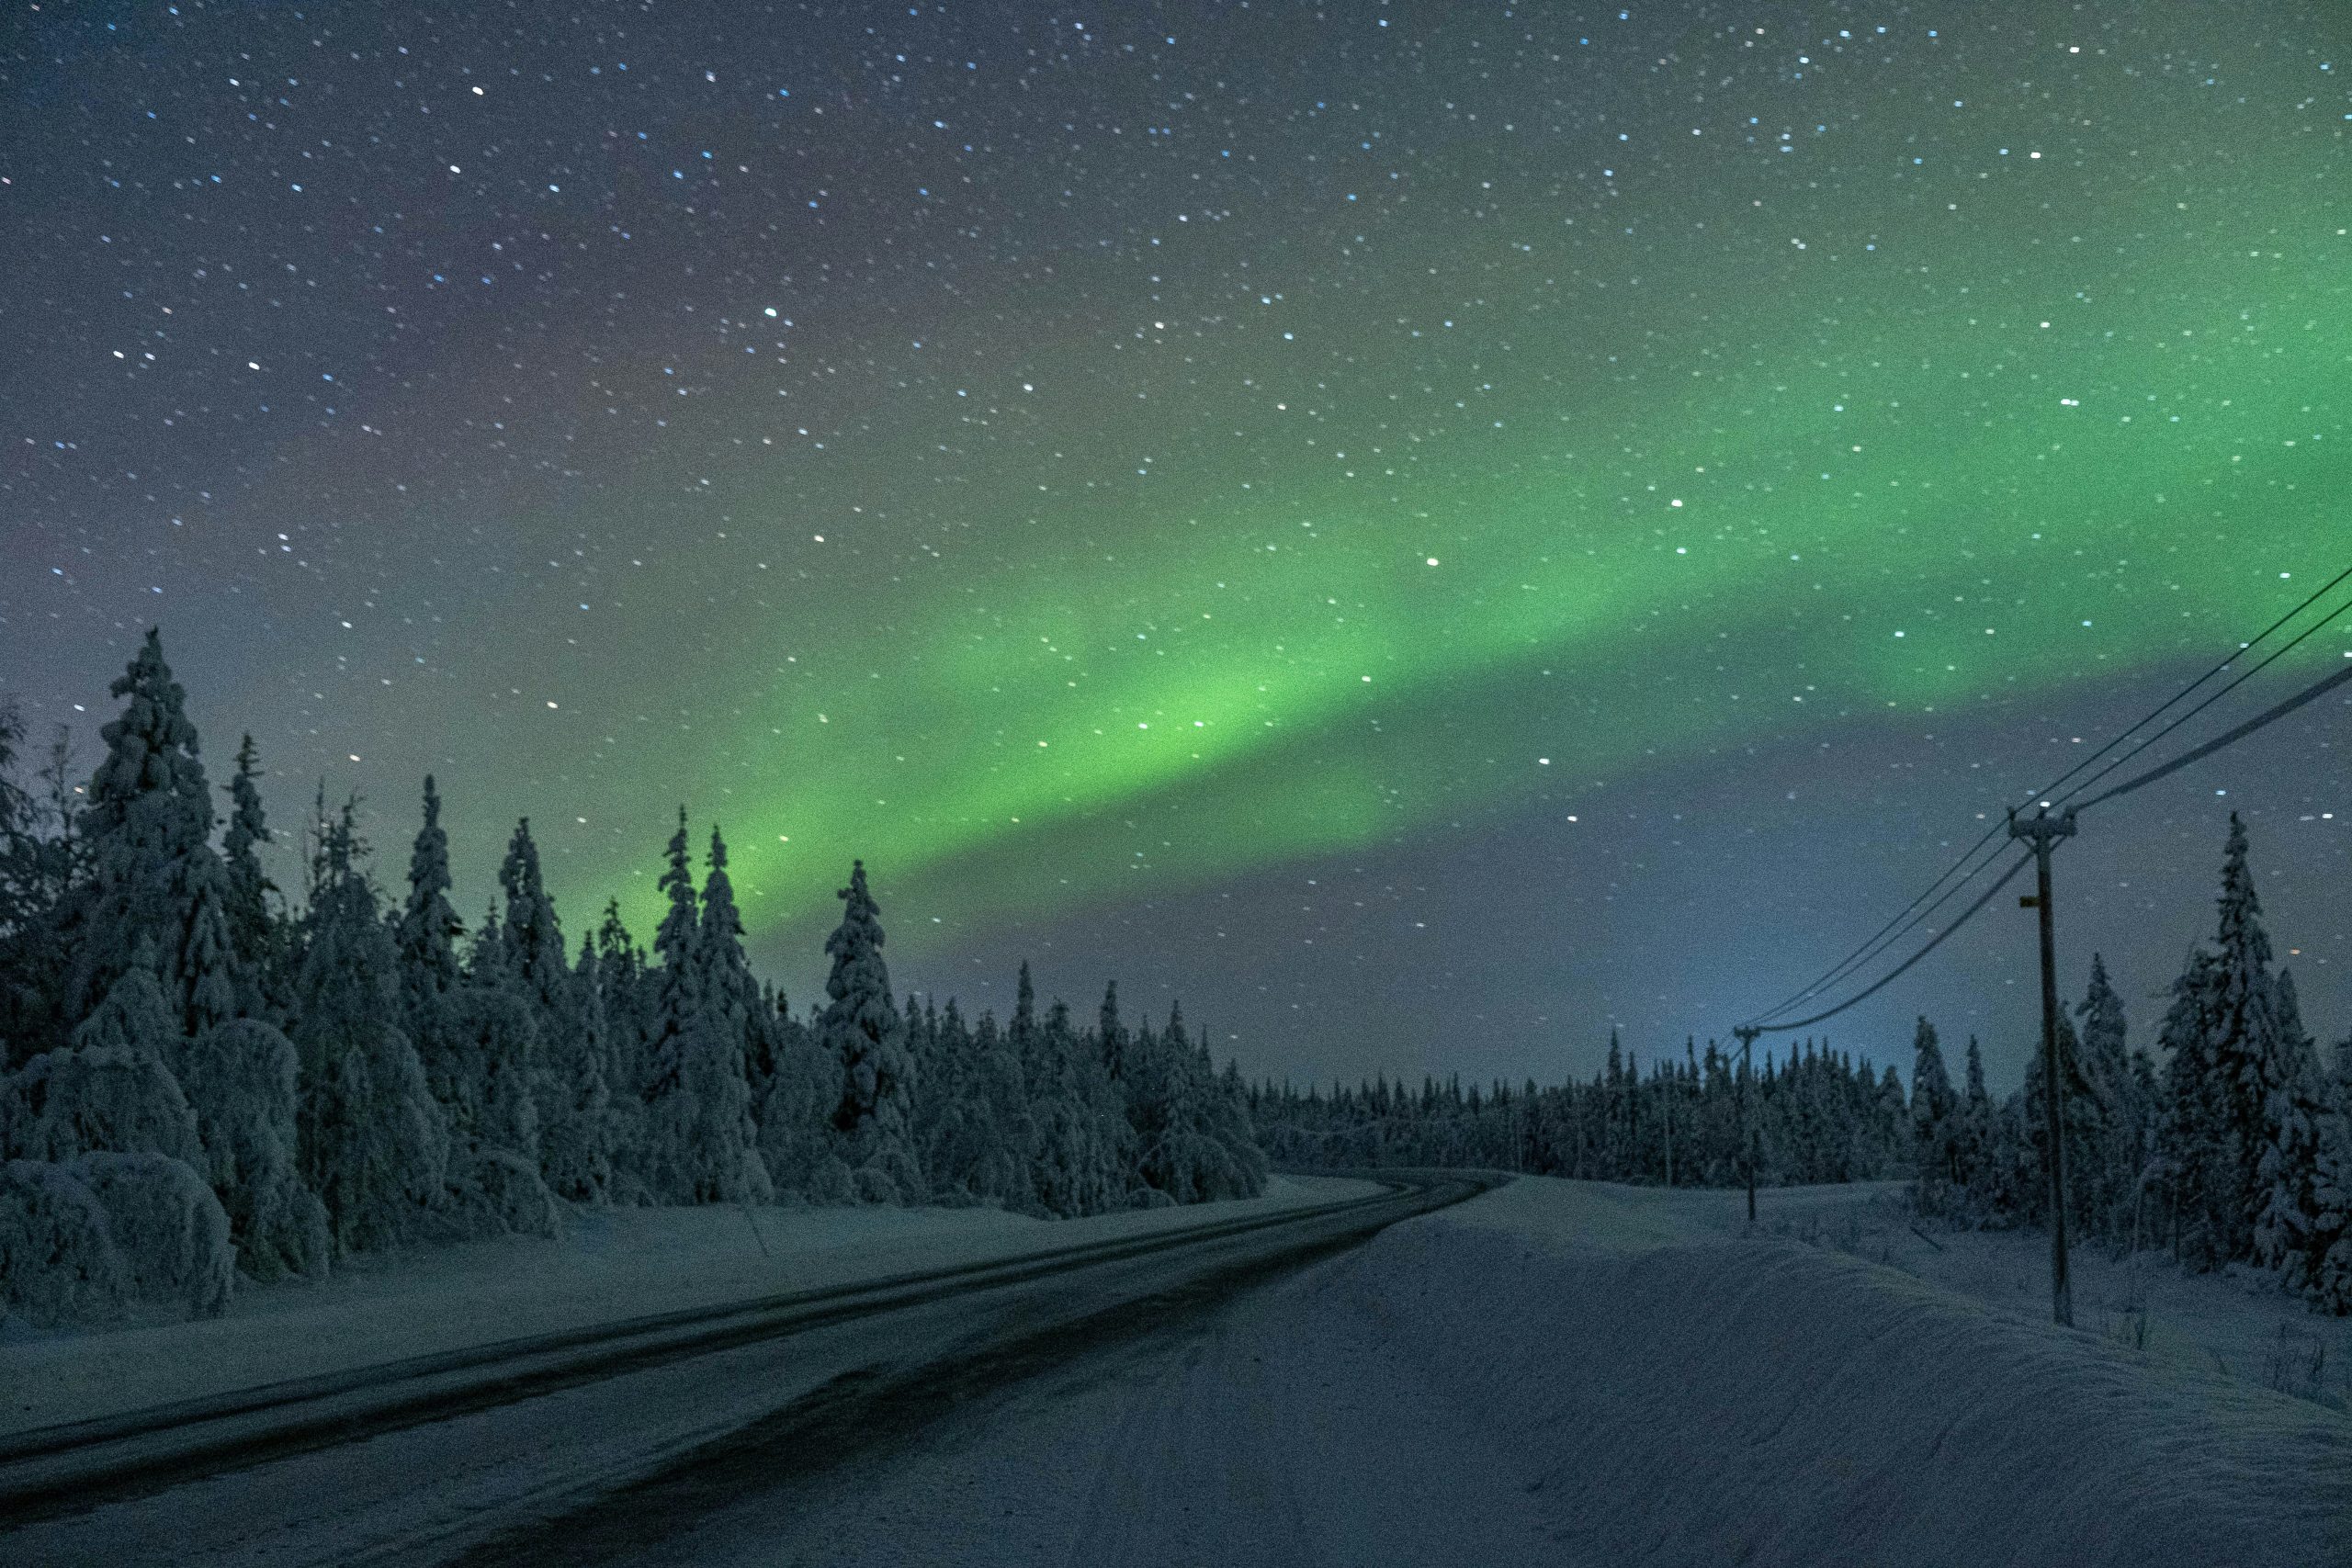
1886	935
2229	738
2243	648
2265	663
1884	980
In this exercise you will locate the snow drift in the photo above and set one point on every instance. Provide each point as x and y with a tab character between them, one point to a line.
1683	1398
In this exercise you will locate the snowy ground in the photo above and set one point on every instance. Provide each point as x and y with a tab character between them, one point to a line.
2238	1325
611	1264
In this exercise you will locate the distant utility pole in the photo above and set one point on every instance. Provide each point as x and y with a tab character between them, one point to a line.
2042	830
1747	1033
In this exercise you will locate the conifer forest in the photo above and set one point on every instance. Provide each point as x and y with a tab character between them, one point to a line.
206	1075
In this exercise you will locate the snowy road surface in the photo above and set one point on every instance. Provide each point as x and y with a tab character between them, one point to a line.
594	1452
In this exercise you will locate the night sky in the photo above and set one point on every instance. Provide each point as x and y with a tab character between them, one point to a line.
1426	531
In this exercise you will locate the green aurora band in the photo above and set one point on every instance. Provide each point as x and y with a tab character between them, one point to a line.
1823	459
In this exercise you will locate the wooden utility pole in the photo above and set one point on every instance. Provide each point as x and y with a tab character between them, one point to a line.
2043	831
1747	1033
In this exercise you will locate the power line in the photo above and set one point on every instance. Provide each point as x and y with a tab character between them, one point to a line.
1883	981
2243	648
2265	663
1885	936
2310	693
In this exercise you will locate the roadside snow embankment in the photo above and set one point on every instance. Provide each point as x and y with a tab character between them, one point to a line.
609	1265
1683	1397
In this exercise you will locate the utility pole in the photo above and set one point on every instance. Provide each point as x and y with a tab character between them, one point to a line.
2043	831
1747	1033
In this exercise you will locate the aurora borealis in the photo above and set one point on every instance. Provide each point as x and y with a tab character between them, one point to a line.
1425	530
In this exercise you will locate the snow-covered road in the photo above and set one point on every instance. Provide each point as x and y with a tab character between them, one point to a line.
533	1467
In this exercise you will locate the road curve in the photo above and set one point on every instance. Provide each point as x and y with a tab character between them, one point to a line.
628	1427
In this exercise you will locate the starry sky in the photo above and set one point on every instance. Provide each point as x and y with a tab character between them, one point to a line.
1429	531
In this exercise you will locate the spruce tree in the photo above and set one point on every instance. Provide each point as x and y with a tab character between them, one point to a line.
569	1079
2107	1182
2291	1224
2235	1084
701	1143
152	870
1935	1145
625	995
732	993
426	937
242	1086
256	928
2331	1241
861	1029
374	1145
112	1090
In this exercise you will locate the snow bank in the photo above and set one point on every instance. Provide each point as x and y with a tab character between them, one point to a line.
608	1264
1687	1397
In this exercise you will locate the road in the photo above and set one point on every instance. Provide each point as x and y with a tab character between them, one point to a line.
726	1433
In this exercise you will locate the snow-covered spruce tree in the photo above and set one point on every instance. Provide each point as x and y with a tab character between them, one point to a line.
111	1090
487	1075
935	1110
2226	1050
1153	1117
1055	1154
243	1083
2331	1275
151	871
425	937
1934	1132
227	1114
1063	1178
39	865
1977	1138
569	1076
796	1140
729	985
624	989
2192	1158
58	1262
373	1143
2290	1222
80	1239
701	1143
2085	1132
496	1182
2106	1183
861	1029
257	927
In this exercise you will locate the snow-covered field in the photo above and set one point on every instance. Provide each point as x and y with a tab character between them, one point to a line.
610	1263
2238	1325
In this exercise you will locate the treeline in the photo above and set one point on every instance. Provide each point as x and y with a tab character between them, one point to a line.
1817	1115
2230	1144
198	1077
